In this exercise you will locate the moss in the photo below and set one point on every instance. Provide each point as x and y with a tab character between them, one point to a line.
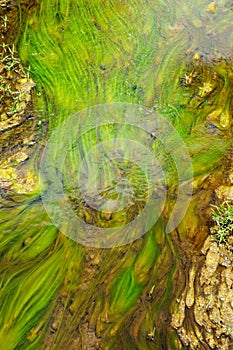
222	215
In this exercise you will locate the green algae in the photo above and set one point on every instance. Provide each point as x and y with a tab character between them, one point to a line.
81	54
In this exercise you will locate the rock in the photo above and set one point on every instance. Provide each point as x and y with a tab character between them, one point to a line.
224	192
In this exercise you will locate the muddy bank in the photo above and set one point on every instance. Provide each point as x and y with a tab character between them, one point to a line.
19	126
203	312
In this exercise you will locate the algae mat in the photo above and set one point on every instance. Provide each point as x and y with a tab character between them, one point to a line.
172	60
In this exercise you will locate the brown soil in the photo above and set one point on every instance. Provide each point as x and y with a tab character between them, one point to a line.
18	121
203	312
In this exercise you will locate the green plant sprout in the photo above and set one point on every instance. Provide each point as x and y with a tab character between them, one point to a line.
223	217
4	46
9	61
5	20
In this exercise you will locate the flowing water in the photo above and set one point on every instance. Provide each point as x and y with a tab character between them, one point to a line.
164	71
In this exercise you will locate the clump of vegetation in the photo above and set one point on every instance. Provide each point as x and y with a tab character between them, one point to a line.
223	217
8	58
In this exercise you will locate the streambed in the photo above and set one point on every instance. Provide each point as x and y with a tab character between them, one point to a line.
174	58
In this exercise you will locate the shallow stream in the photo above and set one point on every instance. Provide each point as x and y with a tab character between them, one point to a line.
133	100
